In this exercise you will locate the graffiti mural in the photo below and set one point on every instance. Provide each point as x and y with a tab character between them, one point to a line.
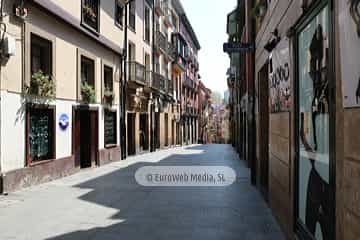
350	51
279	77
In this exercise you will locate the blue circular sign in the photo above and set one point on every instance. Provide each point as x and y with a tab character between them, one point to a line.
64	121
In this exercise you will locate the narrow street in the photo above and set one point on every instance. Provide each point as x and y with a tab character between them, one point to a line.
107	203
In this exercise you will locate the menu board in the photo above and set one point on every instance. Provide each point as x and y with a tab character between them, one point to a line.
110	128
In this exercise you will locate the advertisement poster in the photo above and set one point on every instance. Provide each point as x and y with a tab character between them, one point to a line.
350	51
279	78
314	207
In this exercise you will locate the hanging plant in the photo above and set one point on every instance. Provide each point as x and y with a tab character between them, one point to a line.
41	85
259	9
108	96
87	93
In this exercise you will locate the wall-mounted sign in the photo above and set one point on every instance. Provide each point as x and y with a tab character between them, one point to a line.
350	52
64	121
238	47
279	78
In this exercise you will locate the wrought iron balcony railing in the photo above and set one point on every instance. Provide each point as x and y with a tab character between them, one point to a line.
158	82
161	41
170	87
137	72
160	6
189	83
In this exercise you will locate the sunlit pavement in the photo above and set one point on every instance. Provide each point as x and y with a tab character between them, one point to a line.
107	203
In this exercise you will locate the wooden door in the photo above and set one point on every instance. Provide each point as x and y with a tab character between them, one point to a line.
94	137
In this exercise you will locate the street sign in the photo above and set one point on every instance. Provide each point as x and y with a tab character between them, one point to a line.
238	47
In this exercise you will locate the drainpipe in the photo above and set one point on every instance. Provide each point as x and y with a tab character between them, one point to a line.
152	106
1	174
124	85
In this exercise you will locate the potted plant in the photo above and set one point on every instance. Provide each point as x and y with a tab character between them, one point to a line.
108	96
41	85
87	93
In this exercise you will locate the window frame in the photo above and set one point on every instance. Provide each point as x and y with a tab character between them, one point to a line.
29	31
148	41
80	53
83	22
52	113
117	23
132	28
106	64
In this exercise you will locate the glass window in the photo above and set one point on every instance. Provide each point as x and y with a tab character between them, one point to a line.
147	24
119	13
132	15
90	14
41	55
108	78
87	71
314	192
40	134
110	128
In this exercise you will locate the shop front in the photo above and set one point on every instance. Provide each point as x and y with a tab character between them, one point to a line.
315	125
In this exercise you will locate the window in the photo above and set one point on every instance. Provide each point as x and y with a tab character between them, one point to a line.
108	78
131	52
41	55
132	16
315	191
119	13
157	64
110	128
40	135
147	24
87	71
90	14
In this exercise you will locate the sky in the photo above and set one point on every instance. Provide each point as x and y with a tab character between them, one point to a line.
208	19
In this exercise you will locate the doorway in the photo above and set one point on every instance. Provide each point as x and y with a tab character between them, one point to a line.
264	130
85	137
131	133
157	130
144	132
166	130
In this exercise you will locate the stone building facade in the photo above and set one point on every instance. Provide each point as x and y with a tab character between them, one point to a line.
62	77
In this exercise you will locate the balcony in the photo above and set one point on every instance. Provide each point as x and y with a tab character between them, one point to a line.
179	62
190	110
160	7
161	42
158	82
170	87
168	16
163	46
170	51
137	73
189	83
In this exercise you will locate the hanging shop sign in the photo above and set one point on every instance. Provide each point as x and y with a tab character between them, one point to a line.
64	121
350	51
238	47
279	78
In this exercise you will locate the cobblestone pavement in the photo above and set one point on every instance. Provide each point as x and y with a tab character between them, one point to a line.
106	203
